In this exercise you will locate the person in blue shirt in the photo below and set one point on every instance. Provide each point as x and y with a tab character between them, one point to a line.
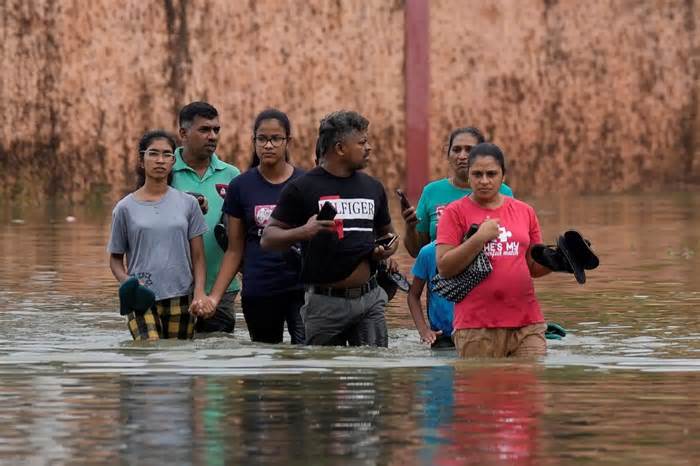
440	310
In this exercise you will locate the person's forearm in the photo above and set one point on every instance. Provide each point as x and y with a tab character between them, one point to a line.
411	241
116	265
538	270
275	238
457	259
230	265
414	306
199	271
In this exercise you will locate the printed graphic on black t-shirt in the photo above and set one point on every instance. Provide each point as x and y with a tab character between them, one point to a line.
351	214
262	215
251	199
362	210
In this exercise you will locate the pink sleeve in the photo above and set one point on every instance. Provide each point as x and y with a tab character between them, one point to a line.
449	229
535	233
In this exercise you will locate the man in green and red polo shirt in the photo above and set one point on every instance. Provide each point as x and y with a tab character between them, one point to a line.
197	169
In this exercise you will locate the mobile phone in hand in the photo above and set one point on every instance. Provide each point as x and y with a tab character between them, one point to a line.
405	204
198	196
327	212
472	229
386	241
200	200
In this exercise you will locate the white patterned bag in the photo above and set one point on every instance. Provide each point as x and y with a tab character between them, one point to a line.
456	288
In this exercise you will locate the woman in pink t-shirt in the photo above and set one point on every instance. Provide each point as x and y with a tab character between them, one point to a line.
500	317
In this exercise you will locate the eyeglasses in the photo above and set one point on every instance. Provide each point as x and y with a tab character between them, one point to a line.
458	149
152	153
276	140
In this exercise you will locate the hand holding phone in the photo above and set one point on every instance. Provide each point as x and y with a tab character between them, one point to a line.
327	212
386	241
405	204
408	213
202	200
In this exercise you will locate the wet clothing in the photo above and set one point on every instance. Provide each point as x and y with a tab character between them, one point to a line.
527	341
443	342
440	310
224	318
506	297
353	316
362	209
265	316
251	198
435	197
272	293
212	185
168	318
155	237
340	321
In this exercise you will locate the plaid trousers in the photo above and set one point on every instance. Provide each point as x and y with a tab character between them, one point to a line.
168	318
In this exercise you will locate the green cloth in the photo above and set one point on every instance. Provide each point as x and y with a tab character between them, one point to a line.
186	179
554	331
134	297
435	197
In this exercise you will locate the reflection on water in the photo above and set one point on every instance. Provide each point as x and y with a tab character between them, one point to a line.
619	389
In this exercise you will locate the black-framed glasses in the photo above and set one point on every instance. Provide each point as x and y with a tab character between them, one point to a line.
275	140
152	153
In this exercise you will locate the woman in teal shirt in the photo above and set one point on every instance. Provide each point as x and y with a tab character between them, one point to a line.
421	222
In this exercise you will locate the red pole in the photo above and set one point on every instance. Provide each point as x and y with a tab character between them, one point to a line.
417	96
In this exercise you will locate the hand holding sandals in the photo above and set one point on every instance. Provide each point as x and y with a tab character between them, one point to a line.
572	254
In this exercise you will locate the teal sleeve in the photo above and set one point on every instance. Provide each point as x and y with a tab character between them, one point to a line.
423	225
505	190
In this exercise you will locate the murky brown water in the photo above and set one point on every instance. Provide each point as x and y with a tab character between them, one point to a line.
621	388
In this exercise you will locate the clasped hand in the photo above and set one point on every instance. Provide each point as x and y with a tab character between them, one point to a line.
488	230
203	307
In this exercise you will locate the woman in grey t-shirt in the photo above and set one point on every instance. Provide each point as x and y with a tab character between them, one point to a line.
159	229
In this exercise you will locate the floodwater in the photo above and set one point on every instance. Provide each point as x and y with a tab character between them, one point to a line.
621	388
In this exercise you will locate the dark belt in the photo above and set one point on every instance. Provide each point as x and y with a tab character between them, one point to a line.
348	293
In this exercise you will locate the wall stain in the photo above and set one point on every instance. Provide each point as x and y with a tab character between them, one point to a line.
690	122
178	58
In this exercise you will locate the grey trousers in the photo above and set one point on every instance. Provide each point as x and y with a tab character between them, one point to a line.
223	320
332	321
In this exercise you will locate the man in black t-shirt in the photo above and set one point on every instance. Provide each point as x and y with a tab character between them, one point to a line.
343	303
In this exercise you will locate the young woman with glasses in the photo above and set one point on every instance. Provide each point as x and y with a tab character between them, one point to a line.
272	293
159	229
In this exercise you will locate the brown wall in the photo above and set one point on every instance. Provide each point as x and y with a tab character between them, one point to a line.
82	80
583	96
